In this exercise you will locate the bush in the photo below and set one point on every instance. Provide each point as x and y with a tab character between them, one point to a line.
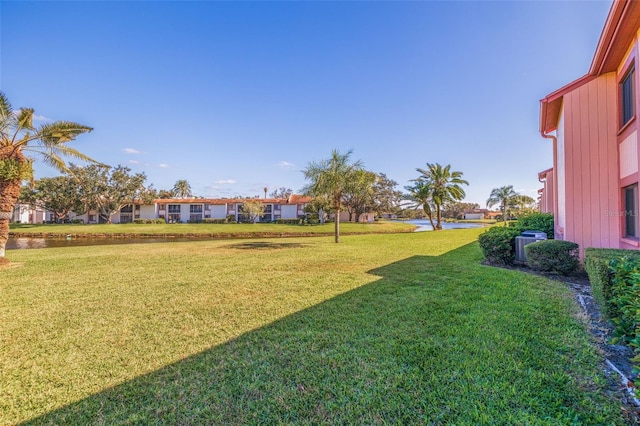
231	218
289	221
560	257
536	222
625	301
499	245
597	264
212	220
148	221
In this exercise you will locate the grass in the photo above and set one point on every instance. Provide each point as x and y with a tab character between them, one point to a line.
207	229
400	328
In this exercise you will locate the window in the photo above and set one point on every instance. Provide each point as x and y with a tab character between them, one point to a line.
195	208
127	209
161	207
631	211
174	208
626	97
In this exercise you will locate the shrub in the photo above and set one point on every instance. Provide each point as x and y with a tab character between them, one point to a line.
596	263
560	257
536	222
625	301
212	220
499	245
289	221
148	221
231	218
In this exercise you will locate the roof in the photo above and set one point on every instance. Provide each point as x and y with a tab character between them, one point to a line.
543	174
619	30
293	199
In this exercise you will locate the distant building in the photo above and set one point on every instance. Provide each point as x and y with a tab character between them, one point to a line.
476	214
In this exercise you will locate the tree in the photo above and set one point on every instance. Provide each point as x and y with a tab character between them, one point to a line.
456	209
386	197
330	178
59	195
358	195
421	194
445	187
165	194
182	189
504	197
18	136
108	189
281	192
523	205
252	209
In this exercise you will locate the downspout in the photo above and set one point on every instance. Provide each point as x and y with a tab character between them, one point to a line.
558	230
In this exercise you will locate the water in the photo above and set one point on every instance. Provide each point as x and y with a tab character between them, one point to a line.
425	225
36	243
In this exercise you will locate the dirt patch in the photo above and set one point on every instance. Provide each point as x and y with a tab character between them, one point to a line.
618	356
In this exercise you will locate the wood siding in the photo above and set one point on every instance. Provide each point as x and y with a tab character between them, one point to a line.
589	200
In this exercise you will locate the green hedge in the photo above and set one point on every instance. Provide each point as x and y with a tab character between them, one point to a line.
536	222
148	221
596	263
560	257
498	245
289	221
211	220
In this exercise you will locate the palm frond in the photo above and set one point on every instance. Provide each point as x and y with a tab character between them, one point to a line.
24	118
6	110
56	162
60	132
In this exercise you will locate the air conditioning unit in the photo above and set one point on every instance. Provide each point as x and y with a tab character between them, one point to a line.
527	237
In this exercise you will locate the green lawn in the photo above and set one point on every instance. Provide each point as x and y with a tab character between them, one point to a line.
238	229
380	329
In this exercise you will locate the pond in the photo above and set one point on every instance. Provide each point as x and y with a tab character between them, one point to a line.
35	243
425	225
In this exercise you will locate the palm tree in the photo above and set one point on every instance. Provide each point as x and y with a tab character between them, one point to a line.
445	187
182	189
19	136
420	193
503	196
331	178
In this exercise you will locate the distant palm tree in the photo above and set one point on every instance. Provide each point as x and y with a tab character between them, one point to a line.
331	178
445	187
182	189
421	195
17	136
504	196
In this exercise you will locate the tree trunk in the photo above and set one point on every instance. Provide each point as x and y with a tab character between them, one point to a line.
429	215
9	193
438	218
337	225
504	214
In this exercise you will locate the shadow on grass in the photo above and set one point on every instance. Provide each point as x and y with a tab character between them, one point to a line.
382	353
259	245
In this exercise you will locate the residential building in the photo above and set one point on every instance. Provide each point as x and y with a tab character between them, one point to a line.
592	124
476	214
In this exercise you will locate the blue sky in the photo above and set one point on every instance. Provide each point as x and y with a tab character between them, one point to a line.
236	96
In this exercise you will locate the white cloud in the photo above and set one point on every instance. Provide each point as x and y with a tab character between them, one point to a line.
223	182
163	166
37	117
286	164
134	161
132	151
